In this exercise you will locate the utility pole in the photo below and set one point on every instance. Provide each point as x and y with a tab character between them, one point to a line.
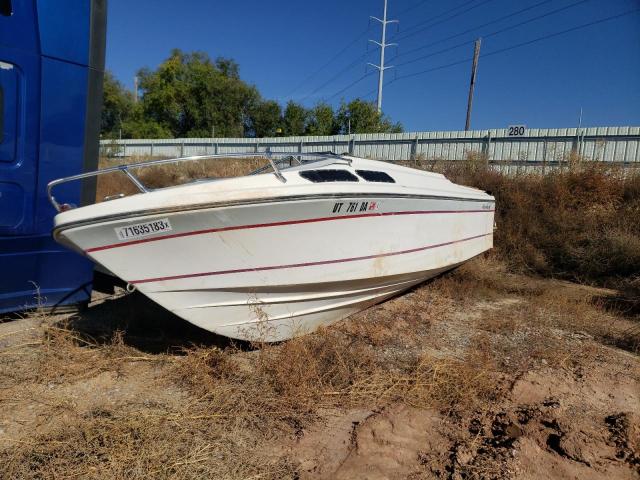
474	68
382	44
135	89
579	139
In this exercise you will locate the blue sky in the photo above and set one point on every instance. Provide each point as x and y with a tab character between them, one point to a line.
281	44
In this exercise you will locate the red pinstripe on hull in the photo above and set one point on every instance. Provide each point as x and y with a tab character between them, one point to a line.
306	264
277	224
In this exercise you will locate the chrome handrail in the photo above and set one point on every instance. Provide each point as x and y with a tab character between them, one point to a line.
143	189
276	170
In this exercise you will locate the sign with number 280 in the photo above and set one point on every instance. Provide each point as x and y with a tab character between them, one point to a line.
516	130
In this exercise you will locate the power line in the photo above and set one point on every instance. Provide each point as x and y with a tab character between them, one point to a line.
438	16
336	76
496	32
380	67
371	93
329	62
432	54
504	17
429	25
524	22
441	67
562	32
412	7
350	85
487	54
361	57
519	45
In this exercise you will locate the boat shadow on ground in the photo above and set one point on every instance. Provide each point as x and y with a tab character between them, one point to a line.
142	324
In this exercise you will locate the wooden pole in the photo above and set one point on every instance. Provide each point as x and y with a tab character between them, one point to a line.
474	68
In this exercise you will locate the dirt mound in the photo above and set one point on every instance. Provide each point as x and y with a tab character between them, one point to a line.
552	425
383	444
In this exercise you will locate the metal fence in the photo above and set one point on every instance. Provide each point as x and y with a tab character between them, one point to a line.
619	145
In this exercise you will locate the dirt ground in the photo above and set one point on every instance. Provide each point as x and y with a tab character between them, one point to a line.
477	374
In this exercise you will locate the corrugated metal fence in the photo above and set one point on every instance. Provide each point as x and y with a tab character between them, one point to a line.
619	145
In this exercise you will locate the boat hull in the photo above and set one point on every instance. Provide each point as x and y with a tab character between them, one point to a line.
273	270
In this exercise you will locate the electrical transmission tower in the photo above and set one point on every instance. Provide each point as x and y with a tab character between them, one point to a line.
382	44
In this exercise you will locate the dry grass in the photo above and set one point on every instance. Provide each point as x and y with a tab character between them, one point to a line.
456	345
132	441
551	307
199	414
230	402
578	223
171	174
328	369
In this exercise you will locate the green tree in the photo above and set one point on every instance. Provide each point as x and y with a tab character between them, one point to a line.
189	95
139	126
265	119
228	67
294	120
321	120
117	105
364	118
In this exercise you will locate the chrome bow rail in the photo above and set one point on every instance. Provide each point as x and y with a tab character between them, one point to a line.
126	169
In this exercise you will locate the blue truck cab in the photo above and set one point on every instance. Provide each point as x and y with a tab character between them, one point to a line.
51	72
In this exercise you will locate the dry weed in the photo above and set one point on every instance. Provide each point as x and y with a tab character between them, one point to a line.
236	400
133	442
454	345
579	223
158	176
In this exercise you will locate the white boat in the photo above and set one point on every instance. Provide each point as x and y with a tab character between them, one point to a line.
279	253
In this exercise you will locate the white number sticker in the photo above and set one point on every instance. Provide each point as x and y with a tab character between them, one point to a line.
516	130
140	230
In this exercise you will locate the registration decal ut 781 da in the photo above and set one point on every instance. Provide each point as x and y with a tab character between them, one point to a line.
352	207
